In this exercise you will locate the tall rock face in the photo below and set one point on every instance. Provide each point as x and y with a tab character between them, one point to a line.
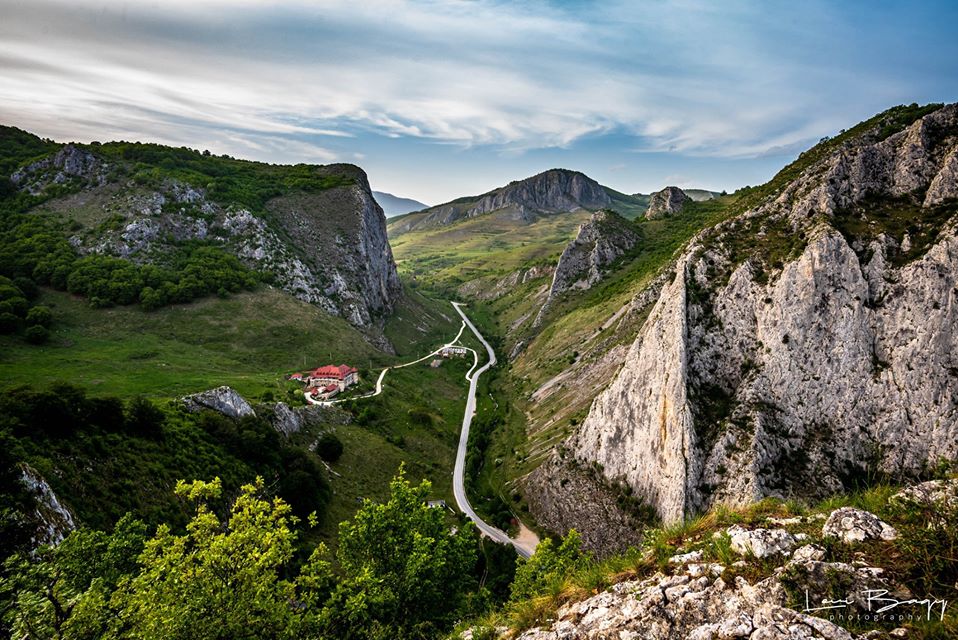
602	240
804	345
553	191
325	246
342	234
668	201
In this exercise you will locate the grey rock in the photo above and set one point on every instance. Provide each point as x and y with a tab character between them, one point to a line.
668	201
222	400
761	543
599	242
852	525
53	521
285	420
941	495
687	608
807	553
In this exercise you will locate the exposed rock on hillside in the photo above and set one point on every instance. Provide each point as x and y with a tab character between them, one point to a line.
52	519
696	602
222	400
601	241
666	202
326	247
553	191
802	344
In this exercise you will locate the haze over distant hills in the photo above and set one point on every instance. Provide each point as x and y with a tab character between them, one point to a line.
397	205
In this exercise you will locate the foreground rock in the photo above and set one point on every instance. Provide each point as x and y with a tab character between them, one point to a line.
762	543
941	495
668	201
688	606
222	400
852	525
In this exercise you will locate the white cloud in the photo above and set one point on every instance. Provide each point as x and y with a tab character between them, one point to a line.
680	76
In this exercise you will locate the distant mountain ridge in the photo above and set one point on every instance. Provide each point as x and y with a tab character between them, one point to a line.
397	205
550	192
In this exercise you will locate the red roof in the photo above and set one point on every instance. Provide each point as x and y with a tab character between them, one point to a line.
332	371
296	376
330	387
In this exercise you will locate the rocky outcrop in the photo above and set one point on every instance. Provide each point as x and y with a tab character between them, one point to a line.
762	543
222	400
852	525
69	163
327	247
801	344
698	603
936	495
602	240
561	493
553	191
668	201
342	234
489	289
52	520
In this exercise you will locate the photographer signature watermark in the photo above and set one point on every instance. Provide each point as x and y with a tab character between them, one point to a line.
880	607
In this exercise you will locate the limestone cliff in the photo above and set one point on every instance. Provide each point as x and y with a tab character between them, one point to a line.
803	345
326	246
553	191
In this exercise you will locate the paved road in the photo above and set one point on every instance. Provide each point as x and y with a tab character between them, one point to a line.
524	549
382	374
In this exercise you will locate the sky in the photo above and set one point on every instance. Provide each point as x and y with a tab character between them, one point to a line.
437	99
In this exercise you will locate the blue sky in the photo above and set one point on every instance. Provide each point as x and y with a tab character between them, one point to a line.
442	98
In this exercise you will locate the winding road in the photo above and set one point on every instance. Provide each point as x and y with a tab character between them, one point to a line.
523	548
526	545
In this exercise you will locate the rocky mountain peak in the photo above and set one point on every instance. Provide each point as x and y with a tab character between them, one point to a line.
600	241
666	202
556	190
549	192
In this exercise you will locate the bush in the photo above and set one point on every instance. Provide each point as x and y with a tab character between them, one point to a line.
144	418
39	316
36	334
329	447
8	323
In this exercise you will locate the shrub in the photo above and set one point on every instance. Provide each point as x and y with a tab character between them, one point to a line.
37	334
39	316
329	447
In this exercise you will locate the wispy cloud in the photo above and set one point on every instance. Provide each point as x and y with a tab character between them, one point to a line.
298	80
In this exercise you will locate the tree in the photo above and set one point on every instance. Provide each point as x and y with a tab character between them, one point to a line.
549	565
219	580
329	447
39	316
404	573
144	418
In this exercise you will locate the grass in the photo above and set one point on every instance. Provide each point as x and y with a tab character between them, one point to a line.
247	341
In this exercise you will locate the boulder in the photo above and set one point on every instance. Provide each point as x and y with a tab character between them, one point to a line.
761	543
932	494
852	525
222	400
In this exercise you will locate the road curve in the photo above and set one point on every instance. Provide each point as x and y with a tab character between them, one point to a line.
458	481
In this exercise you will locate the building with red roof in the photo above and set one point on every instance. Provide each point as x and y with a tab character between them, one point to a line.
340	376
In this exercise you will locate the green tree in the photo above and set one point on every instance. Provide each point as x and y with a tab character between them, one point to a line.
39	316
549	565
36	334
404	574
222	579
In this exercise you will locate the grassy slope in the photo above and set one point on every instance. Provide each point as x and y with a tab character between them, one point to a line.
445	257
249	342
